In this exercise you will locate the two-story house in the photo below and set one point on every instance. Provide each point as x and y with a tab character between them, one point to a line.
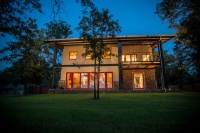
132	67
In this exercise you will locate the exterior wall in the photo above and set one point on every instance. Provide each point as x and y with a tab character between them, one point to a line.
149	78
81	60
149	74
136	48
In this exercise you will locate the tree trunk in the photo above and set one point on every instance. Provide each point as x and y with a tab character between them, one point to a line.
95	79
98	80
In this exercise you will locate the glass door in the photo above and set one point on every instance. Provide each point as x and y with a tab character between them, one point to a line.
138	81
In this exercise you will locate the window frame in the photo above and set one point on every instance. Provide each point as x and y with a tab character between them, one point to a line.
88	57
73	56
130	56
70	80
108	56
147	59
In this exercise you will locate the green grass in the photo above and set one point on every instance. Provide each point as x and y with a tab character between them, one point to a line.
112	113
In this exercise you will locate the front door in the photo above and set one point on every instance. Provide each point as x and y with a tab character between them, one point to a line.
138	80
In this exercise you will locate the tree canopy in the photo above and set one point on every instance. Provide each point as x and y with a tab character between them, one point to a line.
184	16
95	25
30	58
28	55
57	29
14	12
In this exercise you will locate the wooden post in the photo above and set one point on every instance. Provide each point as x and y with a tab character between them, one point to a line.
162	65
120	65
54	64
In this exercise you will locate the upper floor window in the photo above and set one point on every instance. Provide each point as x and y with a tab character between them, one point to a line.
107	55
146	57
72	55
88	56
133	57
123	57
130	57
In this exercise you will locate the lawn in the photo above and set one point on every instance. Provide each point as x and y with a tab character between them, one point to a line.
112	113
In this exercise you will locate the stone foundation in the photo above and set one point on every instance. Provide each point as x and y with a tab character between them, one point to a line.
149	78
116	85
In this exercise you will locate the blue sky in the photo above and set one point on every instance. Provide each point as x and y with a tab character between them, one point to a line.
136	17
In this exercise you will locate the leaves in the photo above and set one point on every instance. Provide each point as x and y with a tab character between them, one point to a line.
57	29
28	54
12	14
93	27
184	16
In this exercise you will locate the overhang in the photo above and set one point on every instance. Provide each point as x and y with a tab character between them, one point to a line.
125	40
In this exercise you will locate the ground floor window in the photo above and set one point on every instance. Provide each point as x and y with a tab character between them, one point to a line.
138	80
85	80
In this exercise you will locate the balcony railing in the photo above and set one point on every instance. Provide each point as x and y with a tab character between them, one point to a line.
141	57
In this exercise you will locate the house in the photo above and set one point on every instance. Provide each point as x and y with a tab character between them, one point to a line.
132	67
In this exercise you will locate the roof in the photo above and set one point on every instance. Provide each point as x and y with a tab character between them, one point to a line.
125	40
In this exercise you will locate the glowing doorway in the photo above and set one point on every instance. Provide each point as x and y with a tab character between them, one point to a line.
138	81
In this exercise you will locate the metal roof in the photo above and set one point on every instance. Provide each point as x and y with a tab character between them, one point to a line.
125	40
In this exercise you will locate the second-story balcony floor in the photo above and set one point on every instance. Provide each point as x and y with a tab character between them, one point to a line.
140	64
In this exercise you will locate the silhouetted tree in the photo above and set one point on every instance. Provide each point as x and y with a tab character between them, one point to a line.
57	30
93	27
14	12
184	16
28	55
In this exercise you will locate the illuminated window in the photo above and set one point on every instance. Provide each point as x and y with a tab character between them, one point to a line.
76	80
84	80
69	80
107	55
129	57
146	57
102	80
138	80
123	57
72	55
133	57
109	80
91	80
88	57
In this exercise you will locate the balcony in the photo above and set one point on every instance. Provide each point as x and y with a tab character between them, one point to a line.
140	60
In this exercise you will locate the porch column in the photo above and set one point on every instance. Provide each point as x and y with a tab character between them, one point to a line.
120	65
162	65
54	68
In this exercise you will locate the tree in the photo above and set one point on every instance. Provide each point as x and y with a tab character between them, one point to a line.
29	56
57	30
178	70
12	14
93	27
184	16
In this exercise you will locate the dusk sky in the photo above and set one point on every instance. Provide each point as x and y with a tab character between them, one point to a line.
136	17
